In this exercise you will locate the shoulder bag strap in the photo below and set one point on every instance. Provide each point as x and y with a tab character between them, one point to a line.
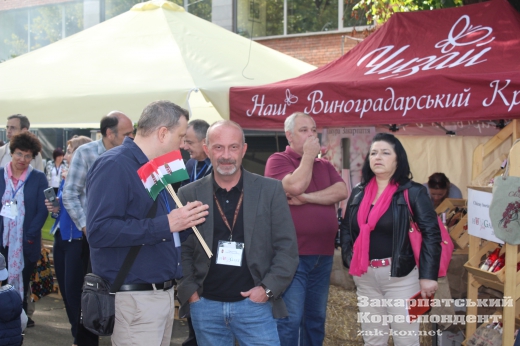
405	193
131	256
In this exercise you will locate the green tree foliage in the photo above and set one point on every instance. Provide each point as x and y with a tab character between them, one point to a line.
201	9
46	26
311	16
381	10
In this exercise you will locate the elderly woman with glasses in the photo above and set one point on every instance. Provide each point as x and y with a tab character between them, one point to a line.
23	212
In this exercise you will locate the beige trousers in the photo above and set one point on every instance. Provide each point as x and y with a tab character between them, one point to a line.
144	318
382	307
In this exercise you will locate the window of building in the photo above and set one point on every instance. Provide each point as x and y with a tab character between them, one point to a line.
260	18
199	8
27	29
305	16
114	8
353	17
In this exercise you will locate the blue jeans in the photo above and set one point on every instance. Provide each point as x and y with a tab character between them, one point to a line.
306	300
219	323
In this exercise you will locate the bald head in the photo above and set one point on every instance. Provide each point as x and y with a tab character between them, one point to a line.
224	123
115	126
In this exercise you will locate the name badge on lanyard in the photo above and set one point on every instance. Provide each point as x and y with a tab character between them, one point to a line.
230	253
9	210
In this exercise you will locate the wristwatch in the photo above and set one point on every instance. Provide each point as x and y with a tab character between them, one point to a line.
268	292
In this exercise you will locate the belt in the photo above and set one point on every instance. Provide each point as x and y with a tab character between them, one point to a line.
148	287
377	263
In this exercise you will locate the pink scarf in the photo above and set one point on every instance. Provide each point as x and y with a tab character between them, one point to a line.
359	263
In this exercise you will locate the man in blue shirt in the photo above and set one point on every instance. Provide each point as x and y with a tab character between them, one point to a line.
199	165
117	208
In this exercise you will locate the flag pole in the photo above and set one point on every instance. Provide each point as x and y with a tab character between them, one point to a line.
195	230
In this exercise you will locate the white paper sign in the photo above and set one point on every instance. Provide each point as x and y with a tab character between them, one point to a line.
479	223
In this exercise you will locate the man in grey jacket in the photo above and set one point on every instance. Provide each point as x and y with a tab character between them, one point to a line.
237	292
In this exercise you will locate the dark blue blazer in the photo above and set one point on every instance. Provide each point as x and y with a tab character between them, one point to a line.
35	213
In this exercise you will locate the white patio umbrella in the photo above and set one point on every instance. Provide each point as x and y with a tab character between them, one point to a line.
154	51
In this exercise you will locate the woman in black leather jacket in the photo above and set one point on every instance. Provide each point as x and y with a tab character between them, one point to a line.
376	247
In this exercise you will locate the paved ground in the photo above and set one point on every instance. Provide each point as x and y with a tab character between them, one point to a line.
52	327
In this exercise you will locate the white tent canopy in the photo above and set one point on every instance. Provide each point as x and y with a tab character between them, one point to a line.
154	51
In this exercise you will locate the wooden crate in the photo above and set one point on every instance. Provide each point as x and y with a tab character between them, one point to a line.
485	278
459	234
449	204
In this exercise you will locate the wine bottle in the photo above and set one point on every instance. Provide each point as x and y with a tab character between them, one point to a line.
490	259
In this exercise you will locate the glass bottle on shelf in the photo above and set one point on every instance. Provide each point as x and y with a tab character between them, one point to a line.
491	259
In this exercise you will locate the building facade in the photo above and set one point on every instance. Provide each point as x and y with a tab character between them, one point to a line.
315	31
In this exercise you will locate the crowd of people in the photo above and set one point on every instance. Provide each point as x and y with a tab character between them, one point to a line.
272	237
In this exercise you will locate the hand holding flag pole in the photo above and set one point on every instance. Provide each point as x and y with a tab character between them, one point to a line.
194	228
159	174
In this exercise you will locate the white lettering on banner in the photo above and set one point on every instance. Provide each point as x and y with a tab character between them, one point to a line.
270	109
319	105
385	61
496	91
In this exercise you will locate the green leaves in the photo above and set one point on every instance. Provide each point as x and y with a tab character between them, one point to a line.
381	10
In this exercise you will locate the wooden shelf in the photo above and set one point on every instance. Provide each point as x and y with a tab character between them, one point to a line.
507	280
459	234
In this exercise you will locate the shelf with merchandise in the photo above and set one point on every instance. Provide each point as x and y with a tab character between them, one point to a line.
456	208
506	280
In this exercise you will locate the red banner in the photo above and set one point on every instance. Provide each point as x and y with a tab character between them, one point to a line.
454	64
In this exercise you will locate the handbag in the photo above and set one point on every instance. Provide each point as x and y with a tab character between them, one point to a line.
505	207
98	308
42	280
416	241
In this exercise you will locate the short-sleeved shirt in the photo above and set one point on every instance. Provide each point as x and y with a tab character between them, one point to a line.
316	225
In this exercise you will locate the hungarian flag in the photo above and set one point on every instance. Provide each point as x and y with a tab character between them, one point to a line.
171	167
151	179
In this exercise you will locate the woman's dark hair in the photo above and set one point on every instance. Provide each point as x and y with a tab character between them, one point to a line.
402	172
57	152
25	141
438	181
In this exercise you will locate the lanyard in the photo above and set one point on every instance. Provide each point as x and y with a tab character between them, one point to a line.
234	217
19	186
195	176
57	169
163	194
176	237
